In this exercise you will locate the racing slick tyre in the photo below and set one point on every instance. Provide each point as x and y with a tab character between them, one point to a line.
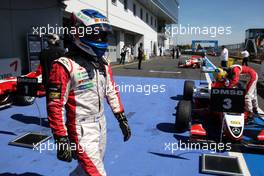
24	100
183	116
188	90
5	100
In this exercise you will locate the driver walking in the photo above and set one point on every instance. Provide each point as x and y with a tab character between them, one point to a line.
78	85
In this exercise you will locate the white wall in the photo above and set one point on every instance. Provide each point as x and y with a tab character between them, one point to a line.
121	18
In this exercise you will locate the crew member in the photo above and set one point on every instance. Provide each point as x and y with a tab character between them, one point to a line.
78	85
245	55
123	55
224	57
230	79
140	55
48	55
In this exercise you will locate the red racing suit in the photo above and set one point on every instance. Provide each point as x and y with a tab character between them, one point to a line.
251	100
76	93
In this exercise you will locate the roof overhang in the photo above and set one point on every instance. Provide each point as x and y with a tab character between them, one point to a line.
160	10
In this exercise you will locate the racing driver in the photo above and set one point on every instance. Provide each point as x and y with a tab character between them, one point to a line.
78	84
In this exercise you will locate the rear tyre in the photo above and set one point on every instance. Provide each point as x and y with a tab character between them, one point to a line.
183	116
188	90
24	100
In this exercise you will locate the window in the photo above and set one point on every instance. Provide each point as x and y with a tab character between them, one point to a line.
134	9
147	17
114	2
151	20
141	14
125	4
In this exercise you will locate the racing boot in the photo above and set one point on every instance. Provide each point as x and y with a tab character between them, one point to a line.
261	135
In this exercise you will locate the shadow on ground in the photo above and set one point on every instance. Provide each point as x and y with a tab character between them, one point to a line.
166	127
31	120
8	133
24	174
168	155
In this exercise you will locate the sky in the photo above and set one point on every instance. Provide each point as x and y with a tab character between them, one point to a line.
238	14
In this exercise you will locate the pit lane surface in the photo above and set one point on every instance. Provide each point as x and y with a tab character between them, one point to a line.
151	117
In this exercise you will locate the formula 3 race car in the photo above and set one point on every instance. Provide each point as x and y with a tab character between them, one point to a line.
21	90
217	114
192	62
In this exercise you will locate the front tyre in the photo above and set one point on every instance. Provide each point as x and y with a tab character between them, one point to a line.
188	90
183	115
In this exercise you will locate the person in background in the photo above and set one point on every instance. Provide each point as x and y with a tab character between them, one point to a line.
140	55
177	53
160	49
123	55
173	53
48	55
224	57
245	55
128	54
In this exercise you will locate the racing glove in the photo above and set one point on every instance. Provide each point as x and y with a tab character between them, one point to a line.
123	124
63	145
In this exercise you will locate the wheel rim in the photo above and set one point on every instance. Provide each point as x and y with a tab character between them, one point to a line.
29	99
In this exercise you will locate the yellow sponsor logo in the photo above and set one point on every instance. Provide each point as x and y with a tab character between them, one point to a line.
54	95
235	122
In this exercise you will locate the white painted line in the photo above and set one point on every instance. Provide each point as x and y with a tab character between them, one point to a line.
208	79
166	72
242	162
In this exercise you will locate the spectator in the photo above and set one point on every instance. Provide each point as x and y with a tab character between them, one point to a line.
160	50
177	53
245	55
173	53
123	54
140	55
48	55
224	57
129	53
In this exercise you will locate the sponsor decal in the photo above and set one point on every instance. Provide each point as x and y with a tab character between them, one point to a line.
89	85
227	92
54	91
236	130
54	95
235	122
83	17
